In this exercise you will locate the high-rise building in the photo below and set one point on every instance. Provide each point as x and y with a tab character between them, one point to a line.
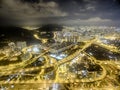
21	45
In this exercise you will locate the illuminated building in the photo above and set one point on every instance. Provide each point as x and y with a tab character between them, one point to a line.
70	63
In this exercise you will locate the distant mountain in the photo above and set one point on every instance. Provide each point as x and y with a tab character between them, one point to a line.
13	34
46	31
50	27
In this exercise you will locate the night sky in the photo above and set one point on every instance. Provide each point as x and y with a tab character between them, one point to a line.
66	12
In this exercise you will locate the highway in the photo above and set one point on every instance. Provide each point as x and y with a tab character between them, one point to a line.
109	69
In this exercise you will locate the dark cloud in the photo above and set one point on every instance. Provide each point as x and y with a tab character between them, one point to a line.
18	10
60	11
30	1
117	1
